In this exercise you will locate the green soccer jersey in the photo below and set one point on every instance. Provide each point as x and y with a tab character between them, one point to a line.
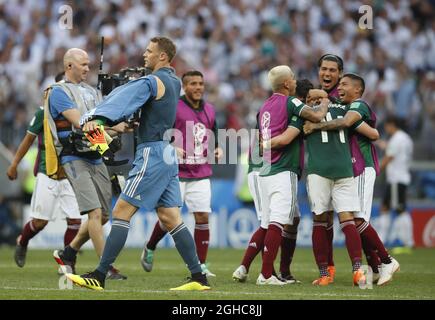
363	142
328	151
36	127
290	159
254	160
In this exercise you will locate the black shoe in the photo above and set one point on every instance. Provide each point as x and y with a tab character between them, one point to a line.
92	280
288	278
20	255
67	266
201	278
114	274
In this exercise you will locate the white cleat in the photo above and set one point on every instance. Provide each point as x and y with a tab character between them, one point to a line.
274	281
387	270
240	275
207	272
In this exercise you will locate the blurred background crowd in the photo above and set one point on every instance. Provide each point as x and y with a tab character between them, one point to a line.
234	43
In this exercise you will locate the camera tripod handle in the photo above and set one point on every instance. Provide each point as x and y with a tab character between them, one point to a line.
100	70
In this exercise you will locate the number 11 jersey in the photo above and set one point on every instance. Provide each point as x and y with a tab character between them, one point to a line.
328	151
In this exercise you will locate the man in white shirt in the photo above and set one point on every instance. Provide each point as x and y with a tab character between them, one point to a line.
397	160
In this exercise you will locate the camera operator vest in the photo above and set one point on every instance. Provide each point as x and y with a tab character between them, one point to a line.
85	98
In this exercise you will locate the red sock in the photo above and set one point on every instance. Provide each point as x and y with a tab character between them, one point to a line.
156	236
71	231
271	246
202	238
29	231
369	235
330	234
255	246
320	244
372	257
288	245
353	241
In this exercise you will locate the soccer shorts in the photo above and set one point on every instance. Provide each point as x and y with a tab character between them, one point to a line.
196	194
153	181
255	190
278	196
91	185
53	198
340	194
365	183
395	197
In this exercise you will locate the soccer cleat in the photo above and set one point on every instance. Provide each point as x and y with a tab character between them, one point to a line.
205	270
288	278
240	275
66	265
198	282
20	253
322	281
359	278
114	274
87	280
331	271
191	286
272	280
146	259
387	271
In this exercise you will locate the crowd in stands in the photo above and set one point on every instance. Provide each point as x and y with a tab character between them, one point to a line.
234	43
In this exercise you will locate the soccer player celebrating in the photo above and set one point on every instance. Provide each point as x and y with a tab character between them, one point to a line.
330	70
362	120
195	120
330	184
281	167
289	232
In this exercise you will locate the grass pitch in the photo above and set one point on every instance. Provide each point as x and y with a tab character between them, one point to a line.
38	280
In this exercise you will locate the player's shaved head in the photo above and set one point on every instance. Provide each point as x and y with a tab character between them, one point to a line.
278	75
73	55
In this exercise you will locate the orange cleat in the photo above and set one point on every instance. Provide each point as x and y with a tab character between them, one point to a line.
322	281
331	271
359	278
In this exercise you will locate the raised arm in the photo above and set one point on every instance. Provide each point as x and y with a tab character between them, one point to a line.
125	100
283	139
367	131
346	122
315	114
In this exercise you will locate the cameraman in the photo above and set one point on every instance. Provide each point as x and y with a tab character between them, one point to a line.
84	168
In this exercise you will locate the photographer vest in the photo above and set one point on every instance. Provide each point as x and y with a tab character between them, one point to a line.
85	98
